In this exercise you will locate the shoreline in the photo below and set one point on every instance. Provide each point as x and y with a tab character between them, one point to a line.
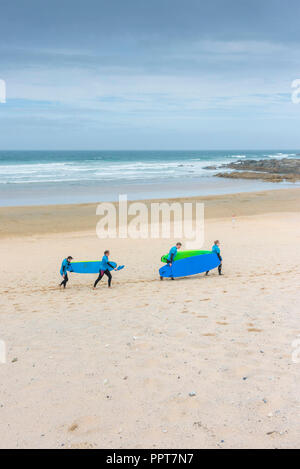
67	218
89	193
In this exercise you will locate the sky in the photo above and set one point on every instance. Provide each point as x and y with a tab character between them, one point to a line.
159	74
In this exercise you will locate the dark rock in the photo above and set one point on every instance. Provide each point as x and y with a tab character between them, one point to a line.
271	169
270	165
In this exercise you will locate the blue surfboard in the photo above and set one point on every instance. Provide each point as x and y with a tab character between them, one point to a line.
190	266
91	267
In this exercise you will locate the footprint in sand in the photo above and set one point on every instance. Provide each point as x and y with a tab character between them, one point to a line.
253	329
83	445
84	425
201	316
209	334
222	323
73	427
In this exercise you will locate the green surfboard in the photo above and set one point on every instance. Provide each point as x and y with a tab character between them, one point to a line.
184	255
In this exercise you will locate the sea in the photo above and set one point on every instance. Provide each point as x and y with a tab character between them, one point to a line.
57	177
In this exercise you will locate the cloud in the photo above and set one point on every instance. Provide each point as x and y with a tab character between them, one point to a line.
148	66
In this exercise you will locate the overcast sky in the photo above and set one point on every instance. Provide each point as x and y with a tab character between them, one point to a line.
155	74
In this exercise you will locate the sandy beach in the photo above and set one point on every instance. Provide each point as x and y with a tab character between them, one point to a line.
201	362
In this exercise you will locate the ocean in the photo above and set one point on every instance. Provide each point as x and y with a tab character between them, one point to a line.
55	177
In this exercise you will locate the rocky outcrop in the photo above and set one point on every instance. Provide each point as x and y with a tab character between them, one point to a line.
273	170
277	166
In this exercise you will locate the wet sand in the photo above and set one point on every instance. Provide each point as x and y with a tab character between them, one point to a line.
35	220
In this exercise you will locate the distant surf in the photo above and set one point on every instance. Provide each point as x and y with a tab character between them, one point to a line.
35	177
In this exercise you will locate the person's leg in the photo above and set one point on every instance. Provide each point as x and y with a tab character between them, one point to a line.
66	279
220	265
109	276
101	273
64	282
207	272
170	264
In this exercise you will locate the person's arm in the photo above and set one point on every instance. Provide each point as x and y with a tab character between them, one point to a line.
110	265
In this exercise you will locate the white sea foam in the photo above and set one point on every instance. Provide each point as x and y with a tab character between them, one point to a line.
281	155
237	156
98	171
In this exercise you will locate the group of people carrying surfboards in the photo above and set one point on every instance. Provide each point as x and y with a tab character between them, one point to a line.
106	265
188	255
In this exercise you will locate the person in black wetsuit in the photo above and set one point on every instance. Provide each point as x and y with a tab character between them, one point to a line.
105	269
65	267
216	250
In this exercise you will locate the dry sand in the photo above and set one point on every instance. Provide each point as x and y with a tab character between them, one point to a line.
114	368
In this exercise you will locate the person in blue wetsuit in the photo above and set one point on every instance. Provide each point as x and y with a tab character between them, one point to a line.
172	255
216	250
104	270
65	267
